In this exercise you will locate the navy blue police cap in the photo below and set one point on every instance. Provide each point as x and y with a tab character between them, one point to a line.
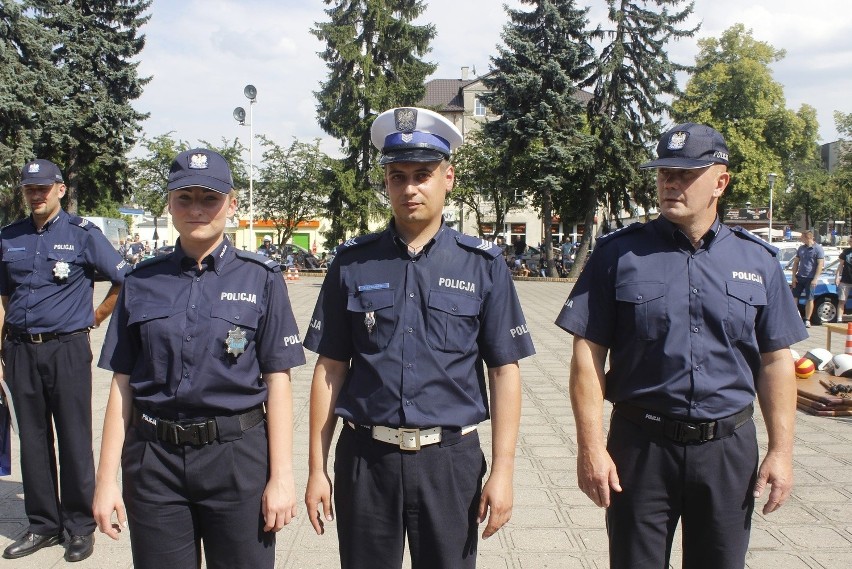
201	168
40	172
410	134
690	145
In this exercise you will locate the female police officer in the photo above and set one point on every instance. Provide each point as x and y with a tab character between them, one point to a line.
200	340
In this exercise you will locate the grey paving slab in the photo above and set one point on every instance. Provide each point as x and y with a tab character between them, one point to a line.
554	525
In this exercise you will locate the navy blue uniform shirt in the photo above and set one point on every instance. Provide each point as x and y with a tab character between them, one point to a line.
808	259
39	300
685	328
415	330
171	322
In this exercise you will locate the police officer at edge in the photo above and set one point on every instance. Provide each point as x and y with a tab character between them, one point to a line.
697	319
46	281
200	409
402	325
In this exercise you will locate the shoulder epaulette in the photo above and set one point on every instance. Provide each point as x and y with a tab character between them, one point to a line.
487	248
150	261
16	222
621	232
743	233
358	241
270	264
82	222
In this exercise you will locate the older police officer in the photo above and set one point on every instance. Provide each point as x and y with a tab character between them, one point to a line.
403	323
201	343
697	319
47	269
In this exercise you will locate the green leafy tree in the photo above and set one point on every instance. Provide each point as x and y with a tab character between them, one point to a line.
88	123
25	71
373	56
150	173
733	90
291	186
547	54
633	77
480	184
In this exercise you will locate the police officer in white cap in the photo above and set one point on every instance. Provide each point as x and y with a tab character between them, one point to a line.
404	322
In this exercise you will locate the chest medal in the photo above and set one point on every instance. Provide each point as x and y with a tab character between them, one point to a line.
370	321
235	343
61	270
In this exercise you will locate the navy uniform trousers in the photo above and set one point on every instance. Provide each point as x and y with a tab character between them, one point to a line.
708	486
179	497
431	495
51	383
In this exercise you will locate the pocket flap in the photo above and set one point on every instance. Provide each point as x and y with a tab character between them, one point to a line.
640	293
747	292
452	303
370	300
144	313
237	313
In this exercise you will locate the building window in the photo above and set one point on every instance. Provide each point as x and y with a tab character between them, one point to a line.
478	107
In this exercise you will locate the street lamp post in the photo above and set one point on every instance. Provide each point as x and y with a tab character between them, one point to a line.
240	115
772	177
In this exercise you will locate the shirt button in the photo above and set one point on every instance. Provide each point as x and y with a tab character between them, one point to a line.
455	308
695	291
410	330
193	306
697	368
408	403
188	338
638	297
186	374
237	317
409	366
695	329
411	295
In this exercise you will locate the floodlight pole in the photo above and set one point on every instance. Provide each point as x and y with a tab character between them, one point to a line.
252	101
772	177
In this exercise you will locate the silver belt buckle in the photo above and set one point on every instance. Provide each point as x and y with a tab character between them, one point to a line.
33	339
409	439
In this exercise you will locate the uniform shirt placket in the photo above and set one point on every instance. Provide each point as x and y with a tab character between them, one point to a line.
413	334
190	359
41	272
698	345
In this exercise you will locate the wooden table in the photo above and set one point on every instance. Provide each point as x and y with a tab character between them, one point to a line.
839	327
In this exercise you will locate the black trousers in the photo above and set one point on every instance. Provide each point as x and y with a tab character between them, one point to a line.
51	383
178	497
707	486
383	493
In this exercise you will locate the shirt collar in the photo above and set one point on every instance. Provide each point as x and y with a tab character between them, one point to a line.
50	221
215	260
673	233
403	246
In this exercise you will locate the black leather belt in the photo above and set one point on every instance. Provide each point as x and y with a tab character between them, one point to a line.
197	431
18	336
681	431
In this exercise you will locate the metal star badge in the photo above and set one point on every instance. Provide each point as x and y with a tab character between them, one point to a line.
61	270
236	342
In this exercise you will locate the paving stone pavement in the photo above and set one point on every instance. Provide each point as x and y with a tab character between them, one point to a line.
553	524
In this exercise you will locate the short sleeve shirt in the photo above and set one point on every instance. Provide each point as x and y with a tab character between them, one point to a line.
195	342
685	328
416	330
846	275
48	275
808	258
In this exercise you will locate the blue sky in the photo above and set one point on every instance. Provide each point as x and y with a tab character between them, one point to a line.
201	53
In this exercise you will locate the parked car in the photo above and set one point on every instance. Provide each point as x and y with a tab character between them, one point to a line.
825	293
303	258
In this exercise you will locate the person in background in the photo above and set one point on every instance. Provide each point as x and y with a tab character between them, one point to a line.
48	262
695	320
199	415
405	320
807	267
843	280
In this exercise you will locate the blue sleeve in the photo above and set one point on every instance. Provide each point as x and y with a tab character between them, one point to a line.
778	324
122	344
590	310
504	336
100	253
328	331
278	344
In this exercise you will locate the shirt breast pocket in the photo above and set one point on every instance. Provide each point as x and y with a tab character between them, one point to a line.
645	303
744	299
156	324
453	321
232	326
19	264
61	264
373	321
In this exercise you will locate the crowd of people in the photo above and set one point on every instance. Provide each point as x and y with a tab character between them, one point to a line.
681	323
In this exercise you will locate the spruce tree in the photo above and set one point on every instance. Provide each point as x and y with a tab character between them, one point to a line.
88	123
533	87
373	56
633	79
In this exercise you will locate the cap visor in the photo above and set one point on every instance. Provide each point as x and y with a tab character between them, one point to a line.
200	182
39	182
678	163
413	155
